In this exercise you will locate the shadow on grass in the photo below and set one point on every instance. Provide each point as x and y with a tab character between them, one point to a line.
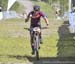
44	60
66	48
66	43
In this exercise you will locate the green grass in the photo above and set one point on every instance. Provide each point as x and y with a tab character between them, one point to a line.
15	41
11	47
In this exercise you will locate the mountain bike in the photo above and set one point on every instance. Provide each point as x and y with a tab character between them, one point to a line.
36	33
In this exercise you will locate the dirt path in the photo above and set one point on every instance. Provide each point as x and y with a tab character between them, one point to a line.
27	4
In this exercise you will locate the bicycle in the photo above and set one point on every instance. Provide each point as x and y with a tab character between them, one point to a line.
36	33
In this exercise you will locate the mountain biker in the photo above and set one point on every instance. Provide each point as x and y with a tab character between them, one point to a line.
35	16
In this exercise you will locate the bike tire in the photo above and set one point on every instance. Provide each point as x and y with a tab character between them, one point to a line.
37	47
37	55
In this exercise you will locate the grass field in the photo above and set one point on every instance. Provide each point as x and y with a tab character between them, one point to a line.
15	41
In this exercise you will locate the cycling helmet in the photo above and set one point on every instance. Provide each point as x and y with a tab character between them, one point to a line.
36	8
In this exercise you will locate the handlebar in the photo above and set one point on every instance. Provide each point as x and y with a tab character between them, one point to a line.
41	28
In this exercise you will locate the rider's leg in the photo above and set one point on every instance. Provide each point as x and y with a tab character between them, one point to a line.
32	44
40	37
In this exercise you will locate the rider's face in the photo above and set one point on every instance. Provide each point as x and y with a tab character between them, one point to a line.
36	12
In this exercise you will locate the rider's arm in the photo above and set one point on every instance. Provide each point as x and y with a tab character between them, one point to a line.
26	20
46	20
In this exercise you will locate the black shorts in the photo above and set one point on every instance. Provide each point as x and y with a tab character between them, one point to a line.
31	27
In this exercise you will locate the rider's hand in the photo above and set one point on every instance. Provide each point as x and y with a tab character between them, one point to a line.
47	26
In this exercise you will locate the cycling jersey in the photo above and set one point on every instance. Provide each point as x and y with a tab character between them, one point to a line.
35	18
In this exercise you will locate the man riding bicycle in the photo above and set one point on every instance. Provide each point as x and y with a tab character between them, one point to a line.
35	16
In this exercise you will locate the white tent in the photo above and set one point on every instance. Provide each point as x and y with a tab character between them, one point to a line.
10	3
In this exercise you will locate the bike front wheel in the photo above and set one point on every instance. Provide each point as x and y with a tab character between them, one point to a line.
36	46
37	55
